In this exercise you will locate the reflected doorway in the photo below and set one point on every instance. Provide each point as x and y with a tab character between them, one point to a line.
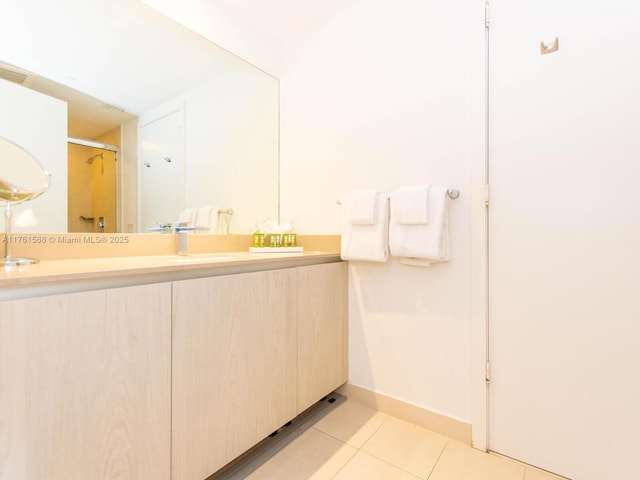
162	170
92	187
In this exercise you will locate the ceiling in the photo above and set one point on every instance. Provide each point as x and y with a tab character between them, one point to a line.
121	52
278	19
88	117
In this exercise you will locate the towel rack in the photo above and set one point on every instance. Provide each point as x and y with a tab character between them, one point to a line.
452	193
227	211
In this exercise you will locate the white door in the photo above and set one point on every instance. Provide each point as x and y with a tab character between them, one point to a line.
564	174
161	170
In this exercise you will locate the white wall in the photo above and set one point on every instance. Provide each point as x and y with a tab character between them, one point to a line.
379	98
128	214
214	22
382	96
230	145
161	168
38	124
231	134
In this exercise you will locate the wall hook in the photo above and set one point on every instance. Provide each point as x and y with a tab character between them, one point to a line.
546	48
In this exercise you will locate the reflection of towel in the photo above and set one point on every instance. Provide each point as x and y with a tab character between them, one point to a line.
207	220
188	216
430	242
25	218
366	242
410	205
223	221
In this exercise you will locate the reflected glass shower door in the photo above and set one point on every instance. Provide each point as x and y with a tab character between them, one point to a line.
92	191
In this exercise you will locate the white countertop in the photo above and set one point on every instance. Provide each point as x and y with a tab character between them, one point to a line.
63	276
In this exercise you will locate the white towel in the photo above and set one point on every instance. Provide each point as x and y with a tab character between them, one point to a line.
426	242
366	242
364	206
188	216
223	221
410	205
207	220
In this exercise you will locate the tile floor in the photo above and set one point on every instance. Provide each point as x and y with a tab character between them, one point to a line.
353	442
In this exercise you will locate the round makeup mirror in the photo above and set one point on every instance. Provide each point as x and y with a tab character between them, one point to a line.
22	178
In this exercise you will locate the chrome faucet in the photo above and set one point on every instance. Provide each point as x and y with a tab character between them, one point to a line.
182	229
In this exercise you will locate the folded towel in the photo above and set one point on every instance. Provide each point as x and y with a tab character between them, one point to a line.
415	262
188	216
207	220
365	242
223	221
428	242
410	205
363	209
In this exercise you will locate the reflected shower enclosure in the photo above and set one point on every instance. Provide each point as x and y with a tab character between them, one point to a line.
92	190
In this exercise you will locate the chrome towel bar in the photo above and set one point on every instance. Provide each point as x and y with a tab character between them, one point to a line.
452	193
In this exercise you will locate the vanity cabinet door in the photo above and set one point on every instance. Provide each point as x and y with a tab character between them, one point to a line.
322	331
234	367
85	385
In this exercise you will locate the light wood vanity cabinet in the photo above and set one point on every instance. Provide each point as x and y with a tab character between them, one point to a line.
85	385
322	331
234	366
250	352
165	381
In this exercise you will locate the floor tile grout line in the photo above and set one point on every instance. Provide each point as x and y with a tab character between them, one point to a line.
439	457
345	464
334	437
347	442
387	417
395	466
527	466
386	462
360	450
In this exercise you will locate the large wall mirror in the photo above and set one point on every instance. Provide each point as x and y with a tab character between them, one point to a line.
162	123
